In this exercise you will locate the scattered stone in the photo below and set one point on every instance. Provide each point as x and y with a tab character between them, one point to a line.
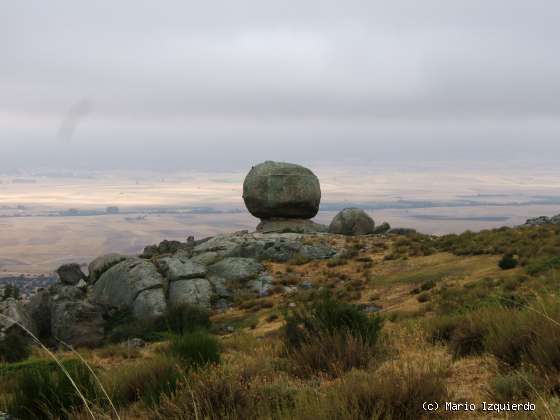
352	221
222	305
402	231
370	308
70	273
285	190
167	248
382	228
136	343
82	285
261	285
306	285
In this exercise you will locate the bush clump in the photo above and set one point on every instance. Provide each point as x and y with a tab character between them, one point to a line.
508	262
14	348
196	349
44	391
181	319
147	381
330	337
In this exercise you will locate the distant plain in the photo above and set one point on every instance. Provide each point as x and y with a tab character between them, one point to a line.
37	234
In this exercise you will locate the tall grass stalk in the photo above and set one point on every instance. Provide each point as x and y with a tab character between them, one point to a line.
94	376
57	361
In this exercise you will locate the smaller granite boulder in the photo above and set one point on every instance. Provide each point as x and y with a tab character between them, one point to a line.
134	284
237	269
191	291
290	226
14	316
77	323
351	222
180	268
70	274
101	264
402	231
382	228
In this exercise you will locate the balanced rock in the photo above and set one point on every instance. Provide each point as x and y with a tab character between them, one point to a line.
352	221
70	273
281	190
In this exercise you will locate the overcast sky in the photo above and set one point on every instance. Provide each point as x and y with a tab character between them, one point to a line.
210	85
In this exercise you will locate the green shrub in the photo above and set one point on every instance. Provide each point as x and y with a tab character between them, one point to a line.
464	334
543	264
395	392
508	262
512	386
330	354
330	337
331	316
527	337
14	348
122	326
147	381
196	349
185	318
45	392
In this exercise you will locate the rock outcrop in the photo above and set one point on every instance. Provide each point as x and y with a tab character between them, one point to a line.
352	221
281	190
382	228
13	316
101	264
290	225
135	284
543	220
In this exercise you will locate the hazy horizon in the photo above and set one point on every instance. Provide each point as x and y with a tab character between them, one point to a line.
213	86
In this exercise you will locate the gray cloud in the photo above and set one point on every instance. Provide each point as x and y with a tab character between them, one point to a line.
180	83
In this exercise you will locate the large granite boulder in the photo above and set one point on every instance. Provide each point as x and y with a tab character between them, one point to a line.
101	264
135	284
352	221
281	190
15	318
77	323
192	291
39	310
70	273
180	268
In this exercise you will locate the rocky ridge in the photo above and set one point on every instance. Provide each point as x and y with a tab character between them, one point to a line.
208	272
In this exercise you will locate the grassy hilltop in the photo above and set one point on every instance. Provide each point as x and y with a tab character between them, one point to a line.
392	322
